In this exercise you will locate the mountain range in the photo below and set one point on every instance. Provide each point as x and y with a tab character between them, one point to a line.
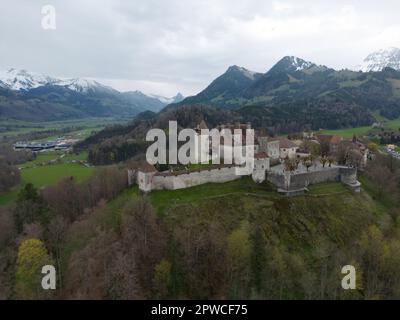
293	95
299	91
36	97
294	92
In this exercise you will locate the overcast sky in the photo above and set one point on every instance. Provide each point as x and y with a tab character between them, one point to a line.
166	46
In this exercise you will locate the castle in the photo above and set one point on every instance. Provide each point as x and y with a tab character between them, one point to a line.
268	165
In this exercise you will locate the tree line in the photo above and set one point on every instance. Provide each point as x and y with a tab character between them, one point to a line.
9	159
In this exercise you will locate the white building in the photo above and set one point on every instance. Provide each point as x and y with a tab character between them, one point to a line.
277	148
287	149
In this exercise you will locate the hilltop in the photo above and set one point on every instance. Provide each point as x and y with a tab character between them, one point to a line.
237	240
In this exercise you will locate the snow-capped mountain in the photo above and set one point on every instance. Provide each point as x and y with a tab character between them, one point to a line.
178	98
300	64
291	63
22	80
381	59
14	79
83	85
40	98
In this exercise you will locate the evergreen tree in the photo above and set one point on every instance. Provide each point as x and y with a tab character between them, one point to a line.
30	207
258	259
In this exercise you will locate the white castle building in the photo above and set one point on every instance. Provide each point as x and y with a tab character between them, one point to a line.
268	151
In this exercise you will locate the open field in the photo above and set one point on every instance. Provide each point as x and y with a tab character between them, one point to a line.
348	133
79	127
46	156
49	175
45	175
360	131
393	124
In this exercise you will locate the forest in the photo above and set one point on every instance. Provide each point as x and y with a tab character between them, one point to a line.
237	241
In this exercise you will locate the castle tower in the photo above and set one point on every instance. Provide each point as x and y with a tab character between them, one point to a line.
261	166
145	177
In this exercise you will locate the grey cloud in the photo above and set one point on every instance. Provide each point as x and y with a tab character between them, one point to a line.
163	46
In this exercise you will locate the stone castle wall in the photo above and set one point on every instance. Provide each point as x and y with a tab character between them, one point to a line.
276	179
298	181
291	183
171	181
302	180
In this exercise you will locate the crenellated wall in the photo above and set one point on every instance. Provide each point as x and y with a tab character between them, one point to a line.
286	183
347	176
171	181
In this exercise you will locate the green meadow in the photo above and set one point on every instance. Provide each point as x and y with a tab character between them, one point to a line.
49	174
79	127
361	131
348	133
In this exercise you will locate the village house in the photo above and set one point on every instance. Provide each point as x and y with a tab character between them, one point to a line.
277	148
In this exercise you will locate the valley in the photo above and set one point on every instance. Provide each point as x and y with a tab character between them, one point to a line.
111	238
78	128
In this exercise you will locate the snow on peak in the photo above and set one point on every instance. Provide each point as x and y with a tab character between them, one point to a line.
379	60
178	98
82	85
15	79
293	64
22	80
300	64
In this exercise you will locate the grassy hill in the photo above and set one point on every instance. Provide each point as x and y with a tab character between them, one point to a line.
302	241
